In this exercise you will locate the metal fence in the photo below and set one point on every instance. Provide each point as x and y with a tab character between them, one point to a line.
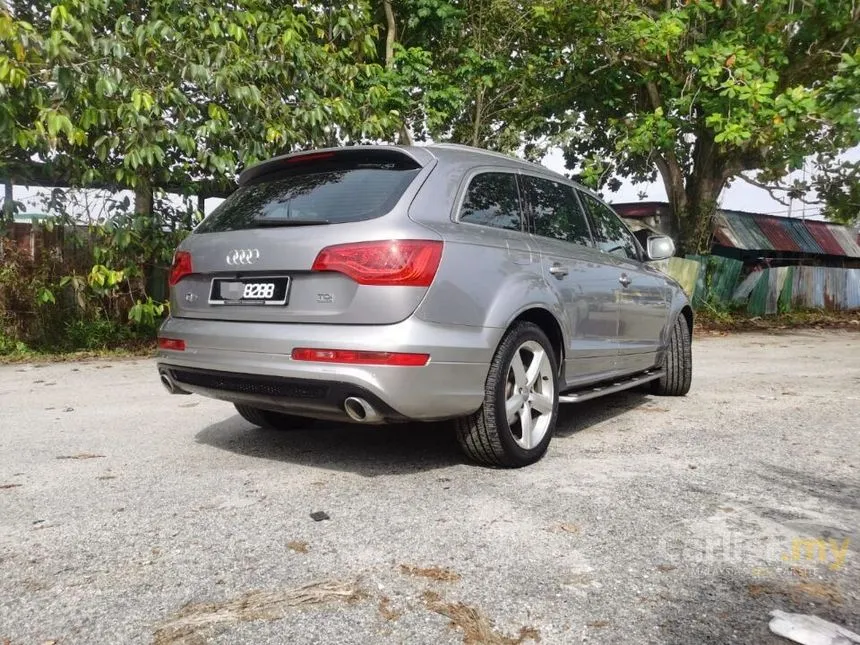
718	281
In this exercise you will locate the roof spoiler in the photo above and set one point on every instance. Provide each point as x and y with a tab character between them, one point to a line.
411	157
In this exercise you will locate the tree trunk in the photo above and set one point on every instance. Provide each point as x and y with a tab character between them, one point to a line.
479	117
390	34
390	39
8	209
702	194
143	198
693	200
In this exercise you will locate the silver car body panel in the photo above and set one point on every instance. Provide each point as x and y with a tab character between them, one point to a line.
486	279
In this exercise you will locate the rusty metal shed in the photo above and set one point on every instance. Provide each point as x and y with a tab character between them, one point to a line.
757	238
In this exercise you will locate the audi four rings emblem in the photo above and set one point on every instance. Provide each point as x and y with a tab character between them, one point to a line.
243	256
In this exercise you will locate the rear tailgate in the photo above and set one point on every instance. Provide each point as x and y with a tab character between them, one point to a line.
286	246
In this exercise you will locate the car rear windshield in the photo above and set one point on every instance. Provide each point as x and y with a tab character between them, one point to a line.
329	196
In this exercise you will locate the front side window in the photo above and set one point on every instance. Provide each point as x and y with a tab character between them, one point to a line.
555	211
493	199
610	234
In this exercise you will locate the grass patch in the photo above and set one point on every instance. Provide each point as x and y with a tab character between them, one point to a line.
21	353
714	320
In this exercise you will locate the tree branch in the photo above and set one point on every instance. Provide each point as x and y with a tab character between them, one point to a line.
674	169
772	190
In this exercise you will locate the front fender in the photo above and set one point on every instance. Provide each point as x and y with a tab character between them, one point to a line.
679	301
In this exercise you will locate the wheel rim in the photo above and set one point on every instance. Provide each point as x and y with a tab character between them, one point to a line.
529	395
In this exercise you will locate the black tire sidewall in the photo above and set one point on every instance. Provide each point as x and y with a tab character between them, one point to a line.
520	335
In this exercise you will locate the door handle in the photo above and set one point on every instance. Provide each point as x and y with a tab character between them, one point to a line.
558	270
624	280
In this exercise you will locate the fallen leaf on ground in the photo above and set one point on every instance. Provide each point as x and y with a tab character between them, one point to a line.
654	409
387	612
598	623
81	455
819	590
799	592
433	573
663	568
10	485
477	628
569	528
297	546
197	623
578	579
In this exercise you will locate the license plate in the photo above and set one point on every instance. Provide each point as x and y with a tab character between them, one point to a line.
250	291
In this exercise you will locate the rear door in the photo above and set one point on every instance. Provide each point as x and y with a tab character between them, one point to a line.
575	270
283	247
641	293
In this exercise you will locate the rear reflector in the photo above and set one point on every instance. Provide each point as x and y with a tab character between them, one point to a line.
181	267
171	343
359	358
405	263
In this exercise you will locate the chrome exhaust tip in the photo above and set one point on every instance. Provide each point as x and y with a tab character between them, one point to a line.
169	384
360	410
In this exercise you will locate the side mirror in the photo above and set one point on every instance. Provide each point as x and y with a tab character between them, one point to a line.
660	247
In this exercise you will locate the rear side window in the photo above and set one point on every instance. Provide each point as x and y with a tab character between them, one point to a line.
330	196
555	211
493	199
610	234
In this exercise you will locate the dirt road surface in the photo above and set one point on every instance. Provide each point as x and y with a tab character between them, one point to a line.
131	516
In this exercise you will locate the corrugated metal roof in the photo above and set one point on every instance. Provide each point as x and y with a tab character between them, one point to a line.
778	234
747	231
844	237
759	232
754	232
724	233
807	238
824	237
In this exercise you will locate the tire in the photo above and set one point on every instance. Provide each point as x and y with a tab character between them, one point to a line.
271	420
487	436
677	364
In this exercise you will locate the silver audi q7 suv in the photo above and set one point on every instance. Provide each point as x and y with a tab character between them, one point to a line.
380	284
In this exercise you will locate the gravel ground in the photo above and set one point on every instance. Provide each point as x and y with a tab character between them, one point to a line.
130	516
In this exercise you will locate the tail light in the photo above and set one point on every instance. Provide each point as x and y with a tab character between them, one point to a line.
359	357
406	263
181	267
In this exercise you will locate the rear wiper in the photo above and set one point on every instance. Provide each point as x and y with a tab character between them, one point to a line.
264	221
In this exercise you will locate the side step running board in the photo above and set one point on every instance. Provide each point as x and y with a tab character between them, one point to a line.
576	396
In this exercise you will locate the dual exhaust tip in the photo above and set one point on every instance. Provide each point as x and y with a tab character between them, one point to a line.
355	407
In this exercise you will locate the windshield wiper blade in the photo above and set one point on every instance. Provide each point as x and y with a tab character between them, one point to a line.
283	221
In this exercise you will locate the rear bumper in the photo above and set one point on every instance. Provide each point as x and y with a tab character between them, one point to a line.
250	363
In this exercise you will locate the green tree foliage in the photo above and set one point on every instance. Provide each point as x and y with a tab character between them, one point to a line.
698	92
467	66
837	185
175	92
